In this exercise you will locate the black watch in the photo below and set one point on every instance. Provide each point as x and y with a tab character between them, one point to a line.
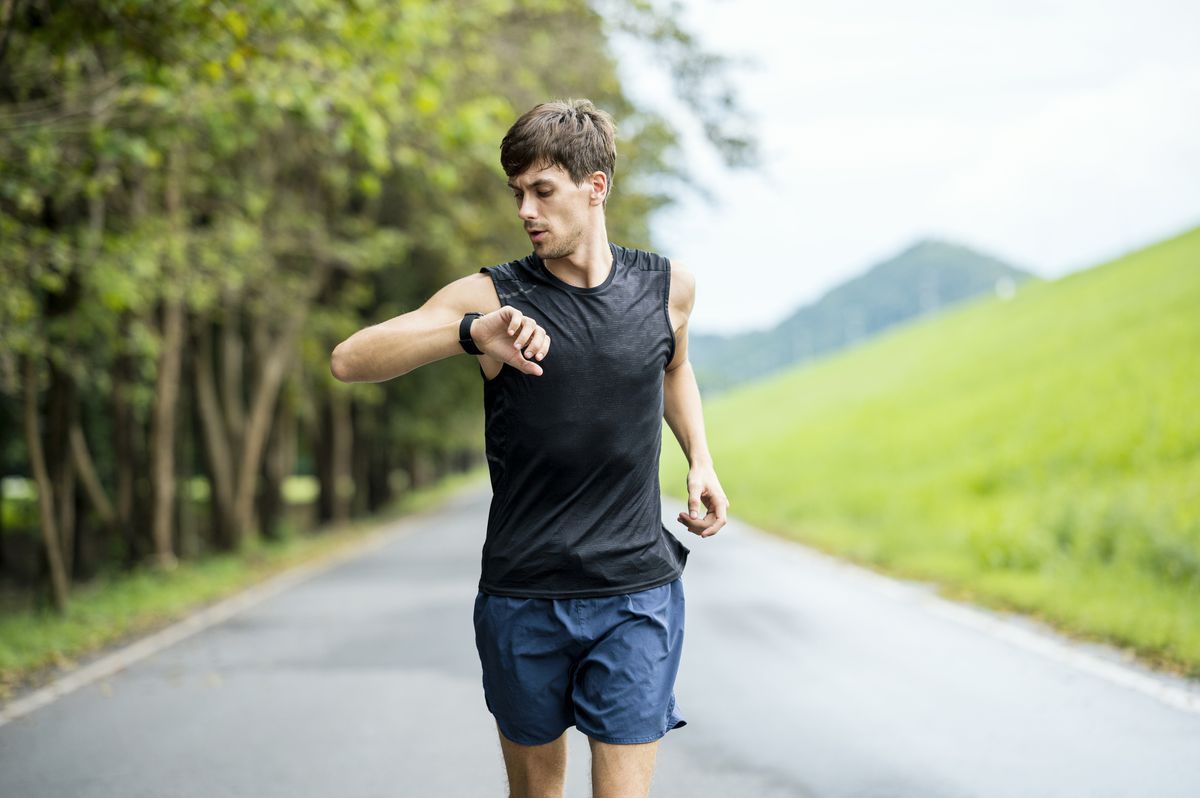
464	334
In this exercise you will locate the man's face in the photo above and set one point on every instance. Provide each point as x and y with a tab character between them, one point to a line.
555	211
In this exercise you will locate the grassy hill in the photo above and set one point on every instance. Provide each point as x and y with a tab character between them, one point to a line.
1039	453
923	278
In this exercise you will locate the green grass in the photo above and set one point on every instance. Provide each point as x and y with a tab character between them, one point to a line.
1039	454
34	645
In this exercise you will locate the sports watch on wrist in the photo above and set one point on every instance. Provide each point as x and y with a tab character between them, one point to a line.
464	334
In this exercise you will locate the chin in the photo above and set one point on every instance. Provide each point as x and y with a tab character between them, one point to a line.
550	253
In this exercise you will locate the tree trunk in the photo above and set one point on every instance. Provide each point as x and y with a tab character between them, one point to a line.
341	442
231	385
216	440
270	495
187	542
124	449
37	463
322	446
166	397
360	458
60	396
166	393
86	468
64	494
258	423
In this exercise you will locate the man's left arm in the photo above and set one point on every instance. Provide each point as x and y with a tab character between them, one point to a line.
685	417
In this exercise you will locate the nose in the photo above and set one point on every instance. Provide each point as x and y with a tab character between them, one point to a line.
528	210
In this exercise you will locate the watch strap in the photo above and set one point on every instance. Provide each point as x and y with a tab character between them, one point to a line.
464	334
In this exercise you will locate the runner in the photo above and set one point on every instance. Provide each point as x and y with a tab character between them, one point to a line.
582	346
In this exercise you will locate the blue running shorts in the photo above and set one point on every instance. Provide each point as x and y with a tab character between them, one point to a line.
605	665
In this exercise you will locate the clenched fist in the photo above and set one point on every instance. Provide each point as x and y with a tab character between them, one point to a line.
509	335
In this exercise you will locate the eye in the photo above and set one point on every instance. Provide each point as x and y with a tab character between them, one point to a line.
544	193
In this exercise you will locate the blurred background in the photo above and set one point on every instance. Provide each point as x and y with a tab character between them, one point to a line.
947	254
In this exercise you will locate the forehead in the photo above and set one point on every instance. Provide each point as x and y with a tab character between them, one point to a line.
540	174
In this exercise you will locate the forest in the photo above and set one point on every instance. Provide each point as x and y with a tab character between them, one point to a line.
199	200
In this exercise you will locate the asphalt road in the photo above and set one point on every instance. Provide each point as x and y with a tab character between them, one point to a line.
801	676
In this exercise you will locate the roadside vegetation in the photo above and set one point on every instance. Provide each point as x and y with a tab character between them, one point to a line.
1040	454
119	605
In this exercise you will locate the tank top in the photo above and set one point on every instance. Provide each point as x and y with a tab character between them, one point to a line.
573	454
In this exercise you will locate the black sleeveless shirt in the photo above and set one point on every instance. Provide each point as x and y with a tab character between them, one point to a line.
573	454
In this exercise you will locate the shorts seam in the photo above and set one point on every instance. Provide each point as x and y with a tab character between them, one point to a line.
622	740
544	742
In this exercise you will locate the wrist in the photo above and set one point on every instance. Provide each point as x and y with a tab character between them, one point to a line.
466	335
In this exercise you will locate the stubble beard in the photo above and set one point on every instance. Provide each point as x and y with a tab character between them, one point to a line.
562	249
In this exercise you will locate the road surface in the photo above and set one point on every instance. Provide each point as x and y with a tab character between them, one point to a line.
801	676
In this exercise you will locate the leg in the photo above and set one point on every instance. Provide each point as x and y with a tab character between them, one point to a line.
535	771
622	771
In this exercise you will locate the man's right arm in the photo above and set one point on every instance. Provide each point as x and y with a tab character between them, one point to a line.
430	333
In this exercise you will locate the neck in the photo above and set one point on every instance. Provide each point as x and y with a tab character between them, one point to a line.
589	264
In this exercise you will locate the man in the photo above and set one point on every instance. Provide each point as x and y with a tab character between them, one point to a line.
582	346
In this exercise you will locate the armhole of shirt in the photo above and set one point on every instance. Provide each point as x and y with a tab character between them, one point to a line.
491	272
667	313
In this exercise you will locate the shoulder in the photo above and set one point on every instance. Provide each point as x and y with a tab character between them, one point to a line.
519	269
504	281
681	281
683	288
471	292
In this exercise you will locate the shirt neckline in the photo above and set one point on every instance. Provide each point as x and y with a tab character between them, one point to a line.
575	289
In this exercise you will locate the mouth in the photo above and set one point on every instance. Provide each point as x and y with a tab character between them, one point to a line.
537	235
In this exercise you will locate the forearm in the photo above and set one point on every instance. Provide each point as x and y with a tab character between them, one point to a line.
395	347
684	414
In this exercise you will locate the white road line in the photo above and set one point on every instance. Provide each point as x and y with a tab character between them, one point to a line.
196	622
1174	691
1155	686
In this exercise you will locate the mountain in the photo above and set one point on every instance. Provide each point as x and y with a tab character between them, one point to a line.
926	277
1039	454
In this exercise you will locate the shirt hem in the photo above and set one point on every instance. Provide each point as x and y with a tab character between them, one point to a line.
583	593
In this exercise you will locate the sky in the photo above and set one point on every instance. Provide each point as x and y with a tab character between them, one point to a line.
1053	135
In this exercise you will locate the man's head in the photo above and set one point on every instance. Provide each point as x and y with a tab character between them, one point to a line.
559	158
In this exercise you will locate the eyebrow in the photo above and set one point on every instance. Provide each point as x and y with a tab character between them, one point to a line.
541	181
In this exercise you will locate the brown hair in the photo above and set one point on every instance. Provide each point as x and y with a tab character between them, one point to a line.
573	134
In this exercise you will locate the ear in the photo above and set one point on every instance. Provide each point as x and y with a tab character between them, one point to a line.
599	182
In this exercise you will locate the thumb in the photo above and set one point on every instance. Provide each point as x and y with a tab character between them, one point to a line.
695	506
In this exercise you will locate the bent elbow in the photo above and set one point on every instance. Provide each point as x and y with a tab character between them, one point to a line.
339	364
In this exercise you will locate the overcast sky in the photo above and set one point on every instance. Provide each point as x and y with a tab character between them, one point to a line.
1054	135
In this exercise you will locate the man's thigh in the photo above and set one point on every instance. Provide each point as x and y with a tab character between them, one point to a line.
622	771
535	771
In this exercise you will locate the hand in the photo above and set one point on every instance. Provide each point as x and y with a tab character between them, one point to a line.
504	333
704	491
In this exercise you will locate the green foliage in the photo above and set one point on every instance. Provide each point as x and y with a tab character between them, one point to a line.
261	178
1041	453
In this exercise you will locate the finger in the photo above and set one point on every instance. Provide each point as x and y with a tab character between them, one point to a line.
527	328
514	322
535	342
721	507
541	355
714	520
527	366
696	526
